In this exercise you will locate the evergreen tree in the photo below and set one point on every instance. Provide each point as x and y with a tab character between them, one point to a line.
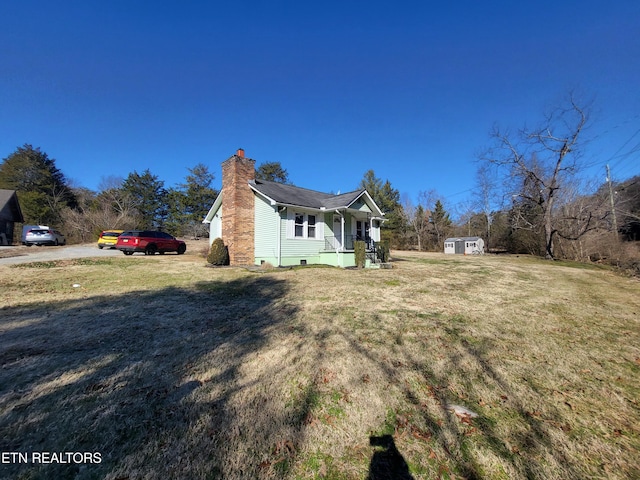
272	172
149	197
42	188
199	193
190	202
388	199
440	224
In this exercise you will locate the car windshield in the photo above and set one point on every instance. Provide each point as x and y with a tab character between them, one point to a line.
38	232
110	234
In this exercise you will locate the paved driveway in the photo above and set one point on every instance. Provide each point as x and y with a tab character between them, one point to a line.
20	254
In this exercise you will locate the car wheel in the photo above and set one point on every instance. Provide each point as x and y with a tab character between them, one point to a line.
28	244
128	253
182	249
55	244
161	252
150	250
100	247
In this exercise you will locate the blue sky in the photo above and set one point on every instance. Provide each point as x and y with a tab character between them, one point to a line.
329	89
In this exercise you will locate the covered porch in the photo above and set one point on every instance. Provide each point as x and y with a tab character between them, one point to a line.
347	227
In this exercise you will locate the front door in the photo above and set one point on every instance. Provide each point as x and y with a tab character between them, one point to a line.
363	229
337	232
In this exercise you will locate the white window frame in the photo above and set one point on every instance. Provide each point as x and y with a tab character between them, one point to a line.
292	226
311	226
299	225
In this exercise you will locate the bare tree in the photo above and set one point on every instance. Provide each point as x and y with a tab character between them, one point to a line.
487	197
117	209
96	212
415	218
539	161
578	215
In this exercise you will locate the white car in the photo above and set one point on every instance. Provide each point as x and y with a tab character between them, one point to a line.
43	236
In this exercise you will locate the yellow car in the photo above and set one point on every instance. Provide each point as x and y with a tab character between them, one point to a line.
108	238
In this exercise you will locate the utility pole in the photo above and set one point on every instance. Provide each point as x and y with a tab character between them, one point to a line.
611	199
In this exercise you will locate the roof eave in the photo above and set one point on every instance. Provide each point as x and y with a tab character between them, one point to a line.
364	192
214	208
266	197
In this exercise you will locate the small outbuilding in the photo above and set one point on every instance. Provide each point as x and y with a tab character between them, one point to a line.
10	214
464	245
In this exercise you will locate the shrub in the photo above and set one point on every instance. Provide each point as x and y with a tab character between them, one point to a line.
218	253
382	251
359	249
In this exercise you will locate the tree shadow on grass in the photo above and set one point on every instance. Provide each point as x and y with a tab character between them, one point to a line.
452	433
155	382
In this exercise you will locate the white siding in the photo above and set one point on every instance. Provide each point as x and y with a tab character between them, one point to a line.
215	227
375	230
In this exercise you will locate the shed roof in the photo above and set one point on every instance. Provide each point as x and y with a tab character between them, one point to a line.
464	239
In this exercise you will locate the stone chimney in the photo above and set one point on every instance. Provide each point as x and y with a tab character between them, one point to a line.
238	207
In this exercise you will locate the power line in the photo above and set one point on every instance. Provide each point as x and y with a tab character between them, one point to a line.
460	193
617	153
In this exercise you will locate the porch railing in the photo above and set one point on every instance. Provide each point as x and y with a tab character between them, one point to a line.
334	243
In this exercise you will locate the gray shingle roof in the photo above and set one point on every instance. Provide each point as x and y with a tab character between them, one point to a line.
291	195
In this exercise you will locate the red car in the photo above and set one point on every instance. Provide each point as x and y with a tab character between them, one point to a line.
149	243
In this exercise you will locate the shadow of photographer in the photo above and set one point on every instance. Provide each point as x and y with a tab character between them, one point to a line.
387	463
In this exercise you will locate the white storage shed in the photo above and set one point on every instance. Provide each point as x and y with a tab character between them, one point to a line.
464	245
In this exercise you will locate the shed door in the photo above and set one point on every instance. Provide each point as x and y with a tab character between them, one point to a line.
460	246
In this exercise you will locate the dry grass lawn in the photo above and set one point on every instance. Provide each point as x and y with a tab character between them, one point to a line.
172	370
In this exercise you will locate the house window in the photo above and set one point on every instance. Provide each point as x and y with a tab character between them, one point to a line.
299	225
311	226
304	225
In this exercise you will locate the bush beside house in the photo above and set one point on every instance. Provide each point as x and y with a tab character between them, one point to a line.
218	253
